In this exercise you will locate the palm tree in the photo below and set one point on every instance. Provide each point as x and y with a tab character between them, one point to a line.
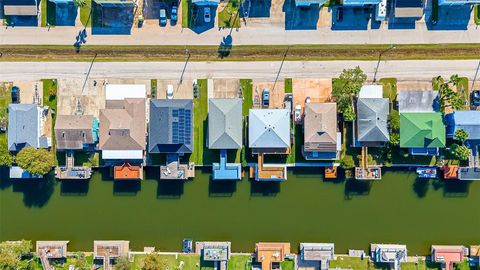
80	3
454	79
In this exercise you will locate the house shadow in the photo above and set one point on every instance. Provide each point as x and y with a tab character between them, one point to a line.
401	23
350	18
300	18
65	13
449	17
5	181
197	19
111	20
36	192
151	9
255	8
421	186
126	187
74	187
455	189
307	172
264	188
26	21
170	189
222	188
356	188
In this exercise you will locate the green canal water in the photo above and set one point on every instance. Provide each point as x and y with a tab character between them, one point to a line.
397	209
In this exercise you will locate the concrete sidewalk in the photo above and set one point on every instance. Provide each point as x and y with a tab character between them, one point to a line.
252	34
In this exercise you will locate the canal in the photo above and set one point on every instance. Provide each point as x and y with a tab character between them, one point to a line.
399	208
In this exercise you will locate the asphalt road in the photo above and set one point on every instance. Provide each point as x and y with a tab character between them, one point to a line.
402	70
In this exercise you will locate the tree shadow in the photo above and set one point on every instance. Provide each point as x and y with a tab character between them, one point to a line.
74	187
219	188
36	192
170	189
264	189
420	187
356	188
225	46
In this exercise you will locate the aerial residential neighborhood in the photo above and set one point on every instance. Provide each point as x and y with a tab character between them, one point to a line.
239	134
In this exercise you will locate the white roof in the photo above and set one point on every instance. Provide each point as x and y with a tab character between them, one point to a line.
122	154
371	91
123	91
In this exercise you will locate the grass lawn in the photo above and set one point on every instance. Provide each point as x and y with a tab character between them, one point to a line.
201	154
50	88
476	14
247	92
287	265
288	85
170	262
389	88
48	14
229	16
71	260
153	87
239	262
186	13
351	263
463	90
86	159
85	14
5	100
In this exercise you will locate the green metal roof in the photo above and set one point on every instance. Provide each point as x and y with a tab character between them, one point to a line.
424	130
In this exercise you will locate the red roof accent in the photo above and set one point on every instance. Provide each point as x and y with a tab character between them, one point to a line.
127	171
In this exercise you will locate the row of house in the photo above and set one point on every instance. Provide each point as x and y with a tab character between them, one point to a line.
270	255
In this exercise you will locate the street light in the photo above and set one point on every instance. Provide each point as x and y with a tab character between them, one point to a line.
380	58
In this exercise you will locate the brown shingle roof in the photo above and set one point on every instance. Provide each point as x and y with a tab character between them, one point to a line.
123	128
320	127
72	131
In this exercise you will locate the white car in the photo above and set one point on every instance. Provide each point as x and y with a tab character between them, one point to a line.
206	14
170	91
298	113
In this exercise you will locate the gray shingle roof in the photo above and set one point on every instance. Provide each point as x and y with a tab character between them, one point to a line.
269	128
225	123
372	114
73	131
169	132
23	126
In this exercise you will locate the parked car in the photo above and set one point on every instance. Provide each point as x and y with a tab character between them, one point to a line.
266	98
476	98
163	16
15	95
169	91
307	100
206	15
174	14
298	113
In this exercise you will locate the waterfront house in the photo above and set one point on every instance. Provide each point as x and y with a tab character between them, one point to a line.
392	254
418	101
112	16
269	133
108	251
21	12
372	115
448	255
123	130
322	141
270	255
28	126
47	250
225	133
75	133
468	121
171	133
318	252
217	252
422	133
469	173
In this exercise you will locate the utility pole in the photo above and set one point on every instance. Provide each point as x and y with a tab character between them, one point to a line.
379	58
475	77
79	110
280	69
187	57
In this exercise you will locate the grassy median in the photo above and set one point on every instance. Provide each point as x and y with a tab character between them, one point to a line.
239	53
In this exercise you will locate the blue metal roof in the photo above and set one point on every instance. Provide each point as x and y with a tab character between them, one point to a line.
468	121
458	2
360	2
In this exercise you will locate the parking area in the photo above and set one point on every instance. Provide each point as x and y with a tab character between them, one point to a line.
180	91
225	88
414	85
27	91
318	90
277	95
262	12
